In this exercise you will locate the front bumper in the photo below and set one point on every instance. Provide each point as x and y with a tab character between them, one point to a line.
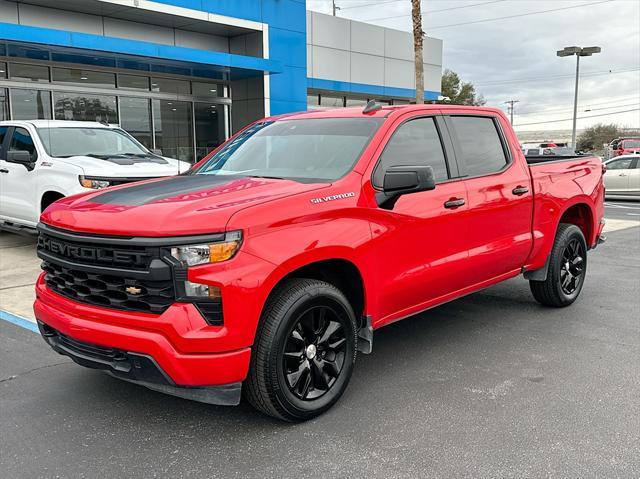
136	368
187	352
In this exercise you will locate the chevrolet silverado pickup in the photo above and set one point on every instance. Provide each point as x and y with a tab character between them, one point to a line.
267	267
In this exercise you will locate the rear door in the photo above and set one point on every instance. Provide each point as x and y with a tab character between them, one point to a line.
634	178
616	178
500	197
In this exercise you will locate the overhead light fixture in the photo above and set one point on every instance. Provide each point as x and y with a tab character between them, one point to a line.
213	90
173	109
83	78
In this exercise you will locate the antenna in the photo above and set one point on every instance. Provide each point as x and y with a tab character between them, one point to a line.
371	107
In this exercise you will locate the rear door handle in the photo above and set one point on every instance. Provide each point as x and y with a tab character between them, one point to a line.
454	203
520	190
4	170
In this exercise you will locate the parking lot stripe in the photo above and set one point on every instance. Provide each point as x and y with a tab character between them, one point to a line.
18	321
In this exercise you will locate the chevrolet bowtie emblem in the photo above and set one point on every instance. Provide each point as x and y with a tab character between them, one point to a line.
133	290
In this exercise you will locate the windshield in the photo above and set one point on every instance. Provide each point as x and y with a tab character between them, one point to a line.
323	149
107	142
631	144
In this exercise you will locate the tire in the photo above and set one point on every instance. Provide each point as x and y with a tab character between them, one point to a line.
567	269
304	352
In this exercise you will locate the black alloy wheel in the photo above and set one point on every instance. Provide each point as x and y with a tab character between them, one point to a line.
304	352
314	352
571	271
567	269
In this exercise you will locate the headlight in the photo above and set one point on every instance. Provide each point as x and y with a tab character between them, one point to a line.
93	183
192	255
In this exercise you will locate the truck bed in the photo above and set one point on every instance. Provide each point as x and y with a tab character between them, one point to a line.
535	159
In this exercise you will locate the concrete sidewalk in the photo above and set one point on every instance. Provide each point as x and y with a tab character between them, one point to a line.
19	269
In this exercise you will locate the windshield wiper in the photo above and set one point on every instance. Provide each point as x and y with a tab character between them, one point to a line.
265	176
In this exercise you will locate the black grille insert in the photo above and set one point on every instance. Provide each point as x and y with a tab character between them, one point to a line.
110	291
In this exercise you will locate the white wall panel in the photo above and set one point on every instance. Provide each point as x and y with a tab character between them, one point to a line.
331	64
398	73
59	20
368	69
332	32
366	38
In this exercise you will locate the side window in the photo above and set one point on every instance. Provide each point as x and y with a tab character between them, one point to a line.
623	164
21	140
480	148
416	142
3	134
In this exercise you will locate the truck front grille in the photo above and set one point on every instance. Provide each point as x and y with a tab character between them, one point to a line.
109	290
106	271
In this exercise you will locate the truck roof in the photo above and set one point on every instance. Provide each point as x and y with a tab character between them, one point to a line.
58	124
385	111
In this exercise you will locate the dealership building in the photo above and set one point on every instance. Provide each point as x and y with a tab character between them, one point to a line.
182	75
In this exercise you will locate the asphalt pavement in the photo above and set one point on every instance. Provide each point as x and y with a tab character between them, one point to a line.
491	385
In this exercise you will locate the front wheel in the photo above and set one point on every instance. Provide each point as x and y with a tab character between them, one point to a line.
304	352
567	269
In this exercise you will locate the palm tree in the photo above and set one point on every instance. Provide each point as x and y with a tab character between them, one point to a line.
418	40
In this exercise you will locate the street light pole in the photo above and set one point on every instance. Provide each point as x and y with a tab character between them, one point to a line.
578	52
335	7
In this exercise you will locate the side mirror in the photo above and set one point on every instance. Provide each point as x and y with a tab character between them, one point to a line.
20	156
403	180
156	151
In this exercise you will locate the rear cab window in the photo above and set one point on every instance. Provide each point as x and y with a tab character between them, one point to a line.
480	148
416	142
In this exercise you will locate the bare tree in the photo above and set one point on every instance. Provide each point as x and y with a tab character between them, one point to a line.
418	41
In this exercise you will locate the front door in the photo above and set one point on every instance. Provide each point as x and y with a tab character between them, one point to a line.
500	197
419	248
19	185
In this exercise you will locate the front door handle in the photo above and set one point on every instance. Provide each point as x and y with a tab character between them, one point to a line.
454	203
622	174
4	170
520	190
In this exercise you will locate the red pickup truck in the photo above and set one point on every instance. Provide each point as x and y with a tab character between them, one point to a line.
268	266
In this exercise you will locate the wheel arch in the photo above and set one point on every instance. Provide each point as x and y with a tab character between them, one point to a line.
48	197
339	270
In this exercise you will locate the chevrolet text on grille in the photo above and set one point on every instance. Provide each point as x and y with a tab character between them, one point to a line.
104	255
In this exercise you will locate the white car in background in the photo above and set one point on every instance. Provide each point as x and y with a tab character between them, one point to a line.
622	179
42	161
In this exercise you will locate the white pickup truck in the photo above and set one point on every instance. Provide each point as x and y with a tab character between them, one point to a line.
42	161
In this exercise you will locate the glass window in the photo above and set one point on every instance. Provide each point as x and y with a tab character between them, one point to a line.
83	77
4	104
356	102
85	107
313	102
401	102
416	142
166	85
3	133
173	128
207	89
30	104
22	141
310	149
481	150
21	71
209	127
133	82
622	164
3	70
135	118
332	101
631	144
98	142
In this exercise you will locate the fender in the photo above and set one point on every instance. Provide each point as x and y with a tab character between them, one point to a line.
539	273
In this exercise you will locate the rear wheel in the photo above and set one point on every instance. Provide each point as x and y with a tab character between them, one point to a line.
567	269
304	352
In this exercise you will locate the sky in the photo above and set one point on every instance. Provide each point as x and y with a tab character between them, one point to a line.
515	58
